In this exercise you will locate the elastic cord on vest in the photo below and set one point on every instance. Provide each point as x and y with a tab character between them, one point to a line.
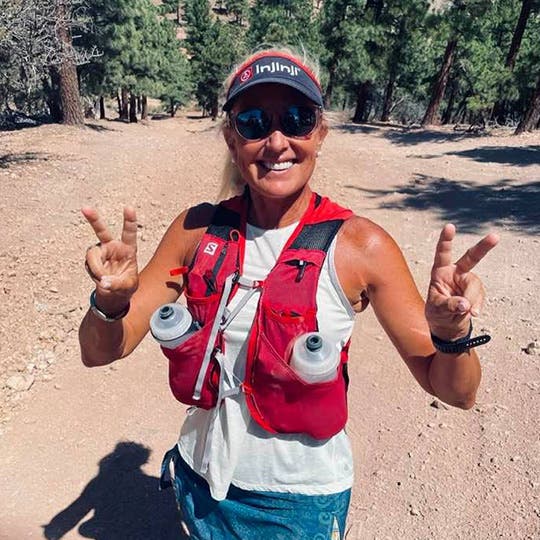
215	327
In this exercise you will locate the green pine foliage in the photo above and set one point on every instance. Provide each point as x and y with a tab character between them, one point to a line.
138	51
380	59
213	47
239	9
283	22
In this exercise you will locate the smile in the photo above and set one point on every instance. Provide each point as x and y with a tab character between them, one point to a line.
275	166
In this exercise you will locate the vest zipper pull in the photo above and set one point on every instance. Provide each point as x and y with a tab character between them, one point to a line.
301	270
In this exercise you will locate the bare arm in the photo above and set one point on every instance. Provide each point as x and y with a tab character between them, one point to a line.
371	263
113	268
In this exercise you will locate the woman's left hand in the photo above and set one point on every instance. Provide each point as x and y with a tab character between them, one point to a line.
455	294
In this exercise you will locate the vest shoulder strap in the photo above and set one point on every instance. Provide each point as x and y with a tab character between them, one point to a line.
317	236
224	220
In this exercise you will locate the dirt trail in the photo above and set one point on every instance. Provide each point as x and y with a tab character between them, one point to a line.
80	449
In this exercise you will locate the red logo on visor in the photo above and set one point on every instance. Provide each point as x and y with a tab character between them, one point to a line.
246	75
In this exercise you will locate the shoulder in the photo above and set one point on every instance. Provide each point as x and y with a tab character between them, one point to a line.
363	236
366	255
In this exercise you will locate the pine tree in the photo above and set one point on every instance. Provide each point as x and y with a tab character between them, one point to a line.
38	59
239	9
140	55
460	22
174	72
531	118
340	27
283	22
400	21
213	47
213	64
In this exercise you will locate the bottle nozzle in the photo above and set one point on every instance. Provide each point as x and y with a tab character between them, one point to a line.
314	343
166	312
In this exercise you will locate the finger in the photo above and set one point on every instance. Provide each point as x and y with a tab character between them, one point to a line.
476	253
94	264
101	230
473	291
455	305
117	284
129	230
443	250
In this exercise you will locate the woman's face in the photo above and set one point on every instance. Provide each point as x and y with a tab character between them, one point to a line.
276	166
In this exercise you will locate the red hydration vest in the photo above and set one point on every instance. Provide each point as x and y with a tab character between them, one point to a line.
277	398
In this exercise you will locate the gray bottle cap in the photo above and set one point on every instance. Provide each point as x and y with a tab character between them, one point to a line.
314	343
170	322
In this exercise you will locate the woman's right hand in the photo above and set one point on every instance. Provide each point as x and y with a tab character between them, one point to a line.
112	264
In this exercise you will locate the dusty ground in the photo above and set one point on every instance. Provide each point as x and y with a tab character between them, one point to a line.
80	449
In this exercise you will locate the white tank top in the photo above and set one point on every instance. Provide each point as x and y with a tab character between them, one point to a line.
237	449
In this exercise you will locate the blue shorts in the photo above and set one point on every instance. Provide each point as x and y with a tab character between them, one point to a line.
252	515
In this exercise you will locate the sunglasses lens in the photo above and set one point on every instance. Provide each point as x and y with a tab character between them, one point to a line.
253	124
296	121
299	121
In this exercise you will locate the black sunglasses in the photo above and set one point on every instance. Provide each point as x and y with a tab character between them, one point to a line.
296	121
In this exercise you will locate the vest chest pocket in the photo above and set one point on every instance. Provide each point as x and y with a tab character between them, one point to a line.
290	405
281	325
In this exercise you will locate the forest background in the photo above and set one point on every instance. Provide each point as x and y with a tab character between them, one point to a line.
473	62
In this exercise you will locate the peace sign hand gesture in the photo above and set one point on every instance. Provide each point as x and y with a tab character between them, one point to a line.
455	294
112	264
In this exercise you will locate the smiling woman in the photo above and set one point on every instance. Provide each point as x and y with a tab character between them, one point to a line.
274	271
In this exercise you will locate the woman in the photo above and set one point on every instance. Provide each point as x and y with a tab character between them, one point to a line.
262	453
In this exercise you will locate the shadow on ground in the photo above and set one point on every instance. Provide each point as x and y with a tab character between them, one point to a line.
98	127
471	207
405	135
120	503
22	157
521	156
412	136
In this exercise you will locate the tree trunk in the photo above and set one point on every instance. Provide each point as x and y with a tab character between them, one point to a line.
499	110
432	113
172	110
124	100
532	114
361	111
144	107
330	86
518	33
214	110
388	94
52	92
395	60
447	115
70	98
101	108
69	95
461	109
133	108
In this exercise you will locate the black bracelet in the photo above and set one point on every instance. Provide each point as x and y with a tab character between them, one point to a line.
460	345
105	316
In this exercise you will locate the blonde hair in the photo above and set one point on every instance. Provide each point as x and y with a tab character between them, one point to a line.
232	182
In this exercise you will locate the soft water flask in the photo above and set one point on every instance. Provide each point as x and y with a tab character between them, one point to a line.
315	358
172	324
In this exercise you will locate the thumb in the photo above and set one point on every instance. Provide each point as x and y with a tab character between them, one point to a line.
458	305
118	284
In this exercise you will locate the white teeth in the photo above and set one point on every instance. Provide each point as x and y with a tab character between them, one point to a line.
284	165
